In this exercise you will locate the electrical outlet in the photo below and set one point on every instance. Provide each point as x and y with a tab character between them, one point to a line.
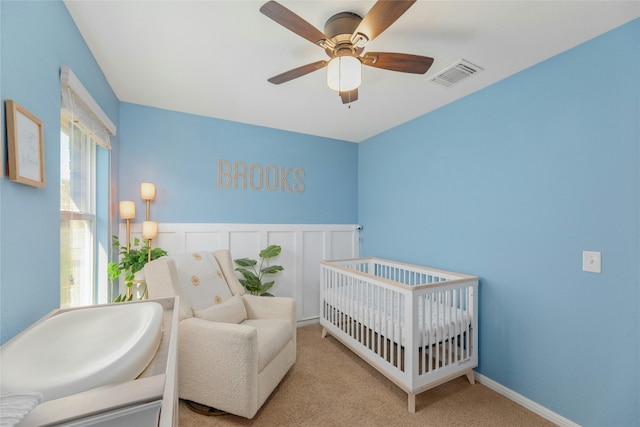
591	262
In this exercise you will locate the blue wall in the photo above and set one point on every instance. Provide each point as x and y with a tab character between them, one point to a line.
180	154
511	184
36	39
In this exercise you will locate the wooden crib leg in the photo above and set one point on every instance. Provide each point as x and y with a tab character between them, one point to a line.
412	403
324	332
470	377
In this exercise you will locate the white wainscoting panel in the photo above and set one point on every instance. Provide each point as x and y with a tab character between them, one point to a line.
303	247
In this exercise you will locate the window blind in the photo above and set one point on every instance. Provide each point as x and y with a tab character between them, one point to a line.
83	110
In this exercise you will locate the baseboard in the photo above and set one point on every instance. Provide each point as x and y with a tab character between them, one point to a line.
524	402
307	322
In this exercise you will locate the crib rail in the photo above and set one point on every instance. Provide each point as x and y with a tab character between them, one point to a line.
396	273
416	325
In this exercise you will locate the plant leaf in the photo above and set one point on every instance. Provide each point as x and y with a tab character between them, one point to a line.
272	269
265	287
248	274
270	251
254	282
245	262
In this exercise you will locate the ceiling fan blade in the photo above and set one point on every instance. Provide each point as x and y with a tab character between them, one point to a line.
297	72
350	96
379	18
292	22
402	62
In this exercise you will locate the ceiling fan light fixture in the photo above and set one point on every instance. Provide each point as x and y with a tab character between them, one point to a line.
344	73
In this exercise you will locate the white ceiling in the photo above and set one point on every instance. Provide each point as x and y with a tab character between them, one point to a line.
213	58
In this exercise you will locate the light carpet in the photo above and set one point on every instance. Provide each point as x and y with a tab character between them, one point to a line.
330	386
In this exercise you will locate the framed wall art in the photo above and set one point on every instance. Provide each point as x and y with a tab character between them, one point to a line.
25	146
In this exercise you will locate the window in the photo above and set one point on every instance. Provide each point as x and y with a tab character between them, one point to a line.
84	194
77	216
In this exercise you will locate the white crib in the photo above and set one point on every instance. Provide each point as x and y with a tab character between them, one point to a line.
416	325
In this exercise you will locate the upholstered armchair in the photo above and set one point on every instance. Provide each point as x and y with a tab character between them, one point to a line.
234	348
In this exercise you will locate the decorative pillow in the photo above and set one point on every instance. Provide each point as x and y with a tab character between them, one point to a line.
201	280
230	311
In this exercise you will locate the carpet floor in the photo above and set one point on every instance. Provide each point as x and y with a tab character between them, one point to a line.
330	386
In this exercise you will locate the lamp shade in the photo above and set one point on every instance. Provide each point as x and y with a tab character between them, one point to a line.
147	191
149	229
127	209
344	73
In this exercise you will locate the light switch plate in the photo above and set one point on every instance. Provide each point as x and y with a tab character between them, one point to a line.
591	262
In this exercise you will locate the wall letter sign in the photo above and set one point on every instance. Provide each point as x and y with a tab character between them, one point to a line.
237	175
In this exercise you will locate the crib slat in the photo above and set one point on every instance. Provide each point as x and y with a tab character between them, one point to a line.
379	317
349	305
453	328
401	333
383	329
358	314
438	329
448	318
424	343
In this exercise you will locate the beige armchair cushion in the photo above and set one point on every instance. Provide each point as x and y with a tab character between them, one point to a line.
225	262
230	311
273	336
201	280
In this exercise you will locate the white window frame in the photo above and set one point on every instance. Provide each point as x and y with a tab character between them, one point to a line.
88	213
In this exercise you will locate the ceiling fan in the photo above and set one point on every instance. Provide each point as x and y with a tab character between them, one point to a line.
344	38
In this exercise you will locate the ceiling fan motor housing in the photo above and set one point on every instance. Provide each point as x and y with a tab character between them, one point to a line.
339	29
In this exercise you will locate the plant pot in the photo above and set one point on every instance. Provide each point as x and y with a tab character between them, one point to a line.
138	276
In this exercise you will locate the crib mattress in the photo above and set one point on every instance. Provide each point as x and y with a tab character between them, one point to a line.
436	322
78	350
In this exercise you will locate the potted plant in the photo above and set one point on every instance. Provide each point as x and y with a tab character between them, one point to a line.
131	262
252	281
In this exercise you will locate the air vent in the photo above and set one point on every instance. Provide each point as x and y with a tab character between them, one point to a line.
456	72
